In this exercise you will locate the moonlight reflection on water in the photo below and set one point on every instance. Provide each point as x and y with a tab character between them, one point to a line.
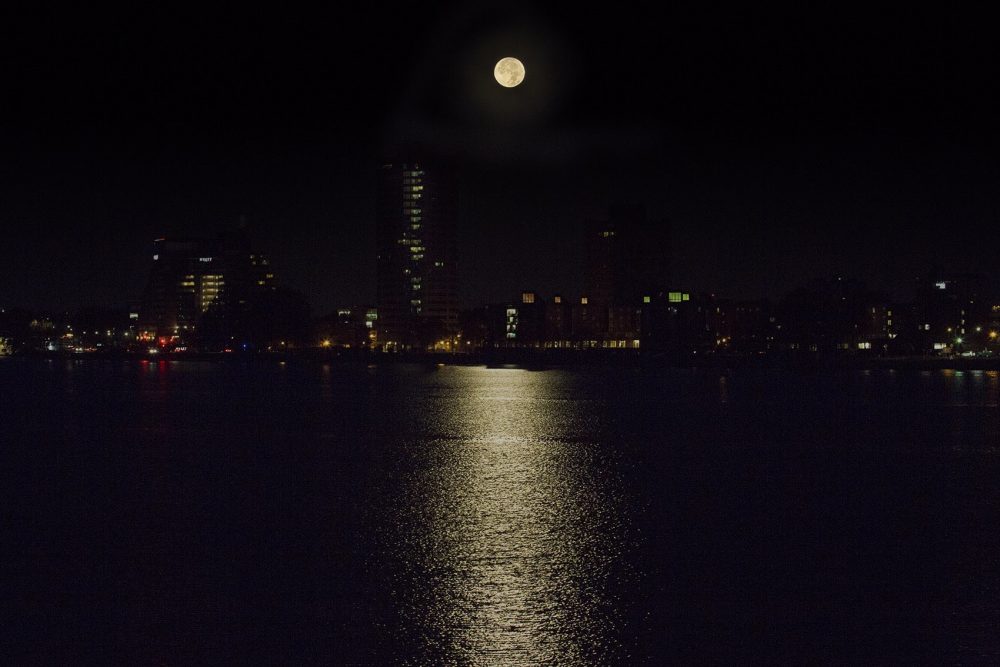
510	529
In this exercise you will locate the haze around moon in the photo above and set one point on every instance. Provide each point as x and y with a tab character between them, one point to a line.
509	72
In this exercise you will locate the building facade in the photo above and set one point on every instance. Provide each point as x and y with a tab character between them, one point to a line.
416	260
192	277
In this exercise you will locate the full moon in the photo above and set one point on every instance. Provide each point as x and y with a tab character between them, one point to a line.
509	72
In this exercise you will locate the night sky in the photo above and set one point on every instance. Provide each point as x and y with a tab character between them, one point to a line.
783	145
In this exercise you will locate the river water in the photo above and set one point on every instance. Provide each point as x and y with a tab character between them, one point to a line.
193	512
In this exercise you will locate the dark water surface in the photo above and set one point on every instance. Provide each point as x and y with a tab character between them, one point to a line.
185	512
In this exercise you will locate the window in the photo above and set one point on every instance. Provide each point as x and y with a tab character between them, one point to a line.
511	328
527	297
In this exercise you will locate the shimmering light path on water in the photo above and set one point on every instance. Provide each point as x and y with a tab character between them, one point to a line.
507	526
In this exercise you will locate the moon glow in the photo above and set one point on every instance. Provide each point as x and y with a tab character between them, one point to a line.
509	72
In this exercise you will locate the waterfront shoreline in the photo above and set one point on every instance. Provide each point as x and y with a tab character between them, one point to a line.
552	359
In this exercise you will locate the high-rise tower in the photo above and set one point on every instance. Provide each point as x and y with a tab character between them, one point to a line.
416	254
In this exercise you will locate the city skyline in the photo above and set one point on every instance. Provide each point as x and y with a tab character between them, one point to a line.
221	295
585	283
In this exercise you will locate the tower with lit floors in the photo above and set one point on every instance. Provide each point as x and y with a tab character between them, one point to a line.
416	254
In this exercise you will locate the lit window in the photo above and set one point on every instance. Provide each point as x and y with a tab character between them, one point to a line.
527	297
647	299
557	299
583	301
511	328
